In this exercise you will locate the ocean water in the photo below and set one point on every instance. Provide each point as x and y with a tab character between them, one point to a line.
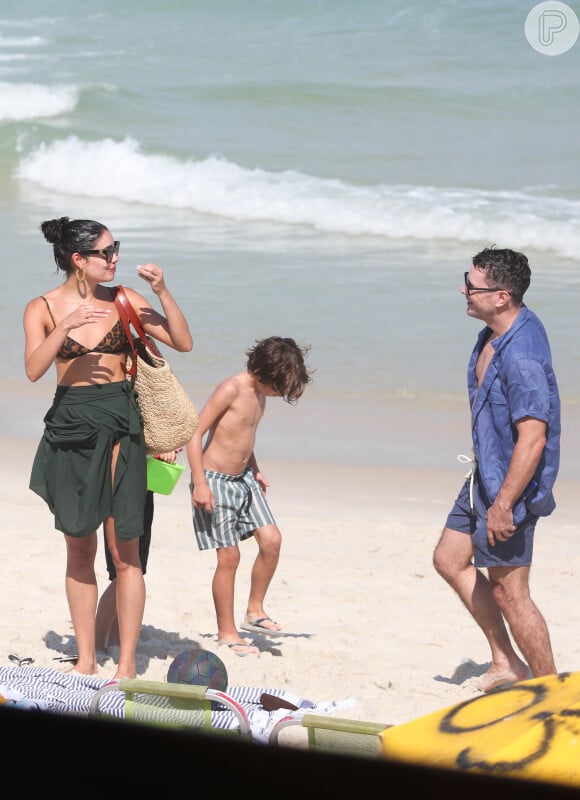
323	170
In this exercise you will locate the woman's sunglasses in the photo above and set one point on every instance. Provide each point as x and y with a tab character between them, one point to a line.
106	252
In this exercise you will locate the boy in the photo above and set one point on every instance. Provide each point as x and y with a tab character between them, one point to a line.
228	489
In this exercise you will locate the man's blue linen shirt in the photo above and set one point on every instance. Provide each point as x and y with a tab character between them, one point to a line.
519	382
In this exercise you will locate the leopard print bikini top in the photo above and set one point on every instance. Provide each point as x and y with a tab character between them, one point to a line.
115	341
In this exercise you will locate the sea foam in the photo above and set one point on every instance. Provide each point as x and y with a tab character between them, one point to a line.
526	218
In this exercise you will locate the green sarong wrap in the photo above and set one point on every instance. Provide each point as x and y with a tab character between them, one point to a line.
72	466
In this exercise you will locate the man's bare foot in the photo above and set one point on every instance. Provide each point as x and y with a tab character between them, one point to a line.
496	677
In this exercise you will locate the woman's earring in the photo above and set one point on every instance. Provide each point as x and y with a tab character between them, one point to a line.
81	282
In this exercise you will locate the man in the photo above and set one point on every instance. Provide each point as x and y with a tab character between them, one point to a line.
515	411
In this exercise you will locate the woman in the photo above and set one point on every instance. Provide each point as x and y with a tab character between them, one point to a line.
90	466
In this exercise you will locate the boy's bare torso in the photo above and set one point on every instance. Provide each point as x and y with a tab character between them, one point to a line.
231	439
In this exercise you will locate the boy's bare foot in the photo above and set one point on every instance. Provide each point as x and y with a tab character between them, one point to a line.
240	648
264	625
496	677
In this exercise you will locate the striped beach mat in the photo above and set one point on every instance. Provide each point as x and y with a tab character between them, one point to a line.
45	689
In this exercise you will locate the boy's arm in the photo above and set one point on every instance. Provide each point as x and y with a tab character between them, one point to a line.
202	496
214	408
260	478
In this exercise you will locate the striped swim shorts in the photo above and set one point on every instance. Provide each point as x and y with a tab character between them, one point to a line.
240	508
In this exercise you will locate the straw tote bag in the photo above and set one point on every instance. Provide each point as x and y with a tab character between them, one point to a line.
169	417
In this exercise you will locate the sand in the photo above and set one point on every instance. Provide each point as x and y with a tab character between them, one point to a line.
364	614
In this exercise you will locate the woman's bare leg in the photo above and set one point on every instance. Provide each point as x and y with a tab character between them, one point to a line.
81	591
130	598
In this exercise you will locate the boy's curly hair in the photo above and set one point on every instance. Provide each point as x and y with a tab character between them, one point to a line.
278	363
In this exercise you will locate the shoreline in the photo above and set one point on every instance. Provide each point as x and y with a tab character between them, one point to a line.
388	432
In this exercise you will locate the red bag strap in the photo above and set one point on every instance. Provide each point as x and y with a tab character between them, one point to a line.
122	301
129	317
128	314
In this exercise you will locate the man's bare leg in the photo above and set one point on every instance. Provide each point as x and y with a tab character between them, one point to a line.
510	588
452	559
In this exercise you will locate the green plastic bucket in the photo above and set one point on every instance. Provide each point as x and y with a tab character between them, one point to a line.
162	477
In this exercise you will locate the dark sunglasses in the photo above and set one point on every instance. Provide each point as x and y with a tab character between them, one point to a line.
106	252
469	287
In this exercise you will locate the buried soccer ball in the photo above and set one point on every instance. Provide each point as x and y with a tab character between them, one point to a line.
199	668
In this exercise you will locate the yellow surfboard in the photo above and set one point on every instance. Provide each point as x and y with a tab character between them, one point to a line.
529	729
